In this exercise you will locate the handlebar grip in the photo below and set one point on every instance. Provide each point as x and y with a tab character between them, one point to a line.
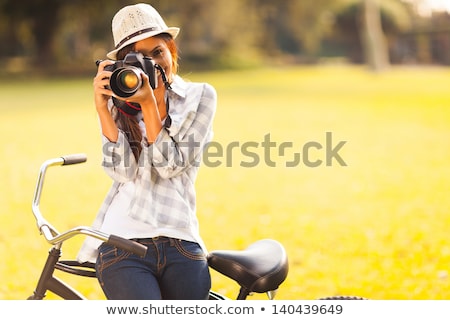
128	245
74	159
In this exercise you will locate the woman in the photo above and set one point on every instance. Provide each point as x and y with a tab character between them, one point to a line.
152	153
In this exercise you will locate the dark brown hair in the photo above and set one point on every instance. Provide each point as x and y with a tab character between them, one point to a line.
129	124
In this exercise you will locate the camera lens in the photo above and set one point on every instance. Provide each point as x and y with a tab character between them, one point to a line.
126	81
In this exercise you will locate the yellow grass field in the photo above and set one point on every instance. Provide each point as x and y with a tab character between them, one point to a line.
377	227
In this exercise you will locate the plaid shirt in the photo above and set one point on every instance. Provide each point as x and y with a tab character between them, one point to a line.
165	174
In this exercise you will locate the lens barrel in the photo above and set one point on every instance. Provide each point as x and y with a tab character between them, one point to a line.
124	82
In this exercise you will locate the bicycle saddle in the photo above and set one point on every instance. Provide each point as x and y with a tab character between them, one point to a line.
260	268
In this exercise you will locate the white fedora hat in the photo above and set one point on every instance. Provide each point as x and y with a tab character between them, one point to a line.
137	22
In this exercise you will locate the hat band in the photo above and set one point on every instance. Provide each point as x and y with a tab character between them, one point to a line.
134	35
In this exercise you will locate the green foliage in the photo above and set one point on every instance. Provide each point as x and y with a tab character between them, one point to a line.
67	36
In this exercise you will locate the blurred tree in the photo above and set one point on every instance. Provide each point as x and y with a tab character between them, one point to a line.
30	27
70	34
372	36
215	33
309	22
38	18
351	31
85	32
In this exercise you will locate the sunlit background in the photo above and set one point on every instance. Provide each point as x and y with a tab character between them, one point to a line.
376	226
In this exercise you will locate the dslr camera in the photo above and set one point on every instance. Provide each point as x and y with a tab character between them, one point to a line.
126	74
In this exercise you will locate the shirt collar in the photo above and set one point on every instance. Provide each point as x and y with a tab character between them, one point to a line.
178	86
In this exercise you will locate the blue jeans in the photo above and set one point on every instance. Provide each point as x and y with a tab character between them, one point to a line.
172	270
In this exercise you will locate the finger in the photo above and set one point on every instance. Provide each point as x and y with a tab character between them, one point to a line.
144	77
103	63
102	76
101	81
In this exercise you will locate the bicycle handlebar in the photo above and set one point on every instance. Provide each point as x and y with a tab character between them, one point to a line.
74	159
56	238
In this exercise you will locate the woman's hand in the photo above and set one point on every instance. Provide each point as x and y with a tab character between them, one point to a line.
101	85
101	96
153	106
145	95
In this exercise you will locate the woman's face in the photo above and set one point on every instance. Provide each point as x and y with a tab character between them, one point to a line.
156	49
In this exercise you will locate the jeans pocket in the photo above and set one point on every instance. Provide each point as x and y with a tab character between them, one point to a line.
190	250
107	256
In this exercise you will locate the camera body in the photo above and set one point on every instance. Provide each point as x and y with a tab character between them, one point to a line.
126	78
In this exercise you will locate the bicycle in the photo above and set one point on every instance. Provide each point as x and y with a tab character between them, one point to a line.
260	268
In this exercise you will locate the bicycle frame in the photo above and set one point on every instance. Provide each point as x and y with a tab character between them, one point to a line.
260	268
